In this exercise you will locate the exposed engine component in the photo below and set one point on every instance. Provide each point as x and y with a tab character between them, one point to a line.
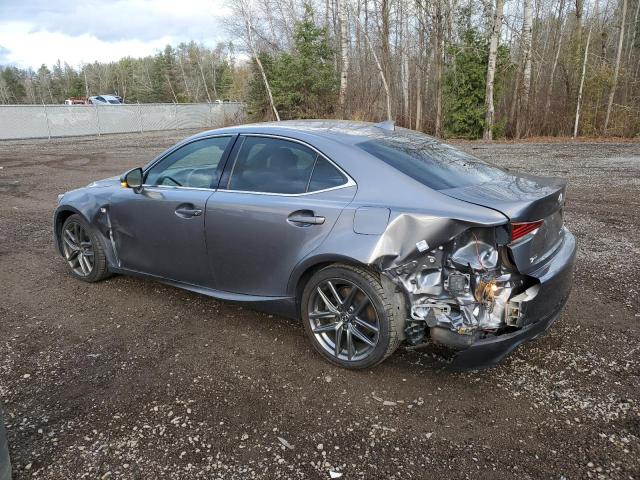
462	288
414	332
452	339
514	308
476	254
457	283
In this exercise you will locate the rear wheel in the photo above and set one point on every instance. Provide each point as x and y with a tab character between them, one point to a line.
348	317
83	250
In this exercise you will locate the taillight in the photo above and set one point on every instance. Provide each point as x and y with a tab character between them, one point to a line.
519	230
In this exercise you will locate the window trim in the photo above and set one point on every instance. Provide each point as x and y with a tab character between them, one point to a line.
225	157
225	188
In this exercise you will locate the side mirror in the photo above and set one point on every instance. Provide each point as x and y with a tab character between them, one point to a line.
132	179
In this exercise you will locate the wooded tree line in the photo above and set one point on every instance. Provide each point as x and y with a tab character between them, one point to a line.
456	68
186	73
459	68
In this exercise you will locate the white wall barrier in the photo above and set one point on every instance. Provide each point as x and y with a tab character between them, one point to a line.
48	121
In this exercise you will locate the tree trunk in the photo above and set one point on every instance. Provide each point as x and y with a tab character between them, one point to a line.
405	67
439	27
213	74
343	12
579	12
554	66
523	113
173	93
616	70
385	85
249	29
419	68
635	31
86	84
204	81
184	77
491	70
384	40
584	70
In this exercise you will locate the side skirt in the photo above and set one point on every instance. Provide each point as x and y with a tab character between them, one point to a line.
283	306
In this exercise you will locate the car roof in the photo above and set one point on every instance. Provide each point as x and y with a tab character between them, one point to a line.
345	132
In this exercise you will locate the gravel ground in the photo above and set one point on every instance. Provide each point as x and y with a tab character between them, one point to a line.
132	379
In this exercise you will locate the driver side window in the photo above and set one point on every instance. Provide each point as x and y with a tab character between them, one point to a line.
196	165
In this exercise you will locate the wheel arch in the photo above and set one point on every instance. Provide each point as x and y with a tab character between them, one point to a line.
60	216
307	268
65	211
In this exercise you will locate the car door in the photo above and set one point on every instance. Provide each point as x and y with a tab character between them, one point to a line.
277	204
160	230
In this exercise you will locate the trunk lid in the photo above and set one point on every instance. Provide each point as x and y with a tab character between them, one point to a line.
523	198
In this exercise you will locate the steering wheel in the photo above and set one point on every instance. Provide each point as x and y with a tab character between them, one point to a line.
167	177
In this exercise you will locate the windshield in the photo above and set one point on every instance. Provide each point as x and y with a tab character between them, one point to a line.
430	162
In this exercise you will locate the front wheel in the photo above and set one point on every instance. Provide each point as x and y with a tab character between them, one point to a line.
348	317
83	250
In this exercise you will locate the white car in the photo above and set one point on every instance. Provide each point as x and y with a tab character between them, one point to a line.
105	100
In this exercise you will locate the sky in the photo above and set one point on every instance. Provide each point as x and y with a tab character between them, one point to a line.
36	32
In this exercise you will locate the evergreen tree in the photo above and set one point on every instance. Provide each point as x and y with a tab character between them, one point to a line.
304	82
465	85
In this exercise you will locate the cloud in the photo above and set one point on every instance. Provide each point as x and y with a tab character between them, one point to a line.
76	31
4	55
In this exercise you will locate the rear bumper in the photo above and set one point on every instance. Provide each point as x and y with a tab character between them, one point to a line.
556	279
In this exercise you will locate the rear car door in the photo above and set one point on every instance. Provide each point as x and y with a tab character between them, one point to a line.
278	200
160	230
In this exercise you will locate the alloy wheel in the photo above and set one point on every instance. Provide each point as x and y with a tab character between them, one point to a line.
343	319
78	248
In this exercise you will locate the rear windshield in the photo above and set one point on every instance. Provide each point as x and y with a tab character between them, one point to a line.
430	162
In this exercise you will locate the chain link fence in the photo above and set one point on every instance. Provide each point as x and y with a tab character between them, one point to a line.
47	121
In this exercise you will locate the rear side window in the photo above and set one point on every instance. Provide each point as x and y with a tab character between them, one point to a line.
430	162
325	175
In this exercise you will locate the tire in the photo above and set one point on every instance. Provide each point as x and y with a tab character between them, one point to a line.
83	250
358	316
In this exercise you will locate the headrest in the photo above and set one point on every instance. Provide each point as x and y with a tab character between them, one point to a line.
282	159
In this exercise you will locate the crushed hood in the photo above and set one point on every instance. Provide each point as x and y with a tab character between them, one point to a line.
106	182
521	198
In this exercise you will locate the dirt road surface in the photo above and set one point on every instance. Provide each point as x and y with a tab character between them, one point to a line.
129	378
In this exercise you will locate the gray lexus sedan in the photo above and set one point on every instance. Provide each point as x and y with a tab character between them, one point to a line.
373	235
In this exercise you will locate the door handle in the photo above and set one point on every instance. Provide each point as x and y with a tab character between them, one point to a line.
188	212
301	219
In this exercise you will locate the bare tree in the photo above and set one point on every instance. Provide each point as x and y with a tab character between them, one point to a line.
635	31
243	9
584	70
204	80
343	11
491	70
404	55
184	77
381	72
616	70
420	65
554	66
523	99
439	65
